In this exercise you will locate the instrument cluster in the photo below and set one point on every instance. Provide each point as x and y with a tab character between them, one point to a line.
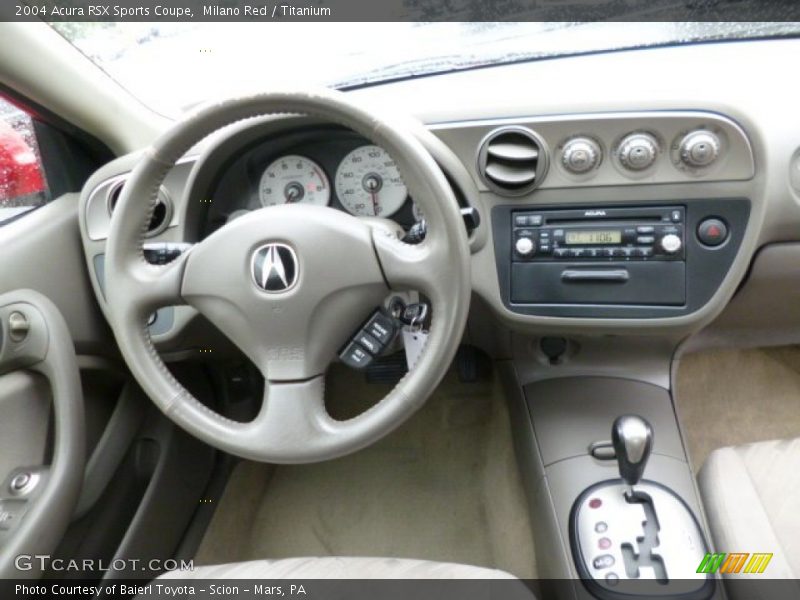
338	169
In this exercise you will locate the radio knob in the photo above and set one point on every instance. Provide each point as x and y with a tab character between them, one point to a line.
581	155
699	149
671	243
524	246
638	151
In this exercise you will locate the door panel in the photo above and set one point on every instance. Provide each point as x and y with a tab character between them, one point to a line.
42	251
24	420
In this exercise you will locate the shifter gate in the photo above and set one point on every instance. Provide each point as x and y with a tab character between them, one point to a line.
647	542
645	554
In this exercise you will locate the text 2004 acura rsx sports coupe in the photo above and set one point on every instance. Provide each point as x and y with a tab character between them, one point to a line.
507	301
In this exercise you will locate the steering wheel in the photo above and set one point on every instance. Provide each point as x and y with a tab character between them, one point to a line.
343	268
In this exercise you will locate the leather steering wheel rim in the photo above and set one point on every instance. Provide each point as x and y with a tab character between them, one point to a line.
345	265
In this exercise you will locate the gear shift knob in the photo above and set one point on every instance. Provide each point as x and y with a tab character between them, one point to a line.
632	438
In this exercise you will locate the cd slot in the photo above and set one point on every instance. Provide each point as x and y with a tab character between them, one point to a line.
610	219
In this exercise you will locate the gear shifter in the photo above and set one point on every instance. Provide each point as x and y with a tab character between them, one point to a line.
635	531
632	438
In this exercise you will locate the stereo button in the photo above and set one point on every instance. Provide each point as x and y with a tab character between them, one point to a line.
671	243
645	239
524	246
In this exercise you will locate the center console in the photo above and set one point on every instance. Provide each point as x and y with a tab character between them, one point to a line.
632	533
612	495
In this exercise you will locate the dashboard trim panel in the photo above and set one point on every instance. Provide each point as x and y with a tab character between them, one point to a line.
736	162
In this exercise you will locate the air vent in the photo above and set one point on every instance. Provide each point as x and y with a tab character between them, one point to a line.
162	213
512	161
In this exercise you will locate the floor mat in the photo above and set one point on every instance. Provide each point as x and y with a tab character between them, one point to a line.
443	487
731	397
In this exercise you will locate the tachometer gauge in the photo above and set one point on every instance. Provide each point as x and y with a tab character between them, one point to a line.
293	179
368	183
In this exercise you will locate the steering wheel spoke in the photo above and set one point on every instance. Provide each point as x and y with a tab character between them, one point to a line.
156	286
406	266
293	421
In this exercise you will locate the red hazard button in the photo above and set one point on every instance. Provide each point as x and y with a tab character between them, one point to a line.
712	232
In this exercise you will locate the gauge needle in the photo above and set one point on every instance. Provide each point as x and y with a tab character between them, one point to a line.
375	204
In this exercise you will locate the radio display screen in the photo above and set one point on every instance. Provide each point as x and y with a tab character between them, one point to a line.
609	236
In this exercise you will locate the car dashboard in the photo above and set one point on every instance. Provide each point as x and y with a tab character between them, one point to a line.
620	213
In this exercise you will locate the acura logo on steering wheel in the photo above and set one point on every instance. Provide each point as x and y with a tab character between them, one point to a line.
274	268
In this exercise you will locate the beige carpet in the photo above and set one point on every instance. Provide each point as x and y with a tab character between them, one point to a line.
731	397
443	487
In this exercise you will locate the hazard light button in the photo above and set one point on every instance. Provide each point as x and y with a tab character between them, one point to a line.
712	232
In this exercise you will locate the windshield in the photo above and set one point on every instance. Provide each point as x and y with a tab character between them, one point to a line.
170	66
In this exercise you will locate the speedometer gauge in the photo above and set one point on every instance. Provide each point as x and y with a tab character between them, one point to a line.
368	183
293	179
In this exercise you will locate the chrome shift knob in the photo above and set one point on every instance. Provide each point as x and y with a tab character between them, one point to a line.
632	438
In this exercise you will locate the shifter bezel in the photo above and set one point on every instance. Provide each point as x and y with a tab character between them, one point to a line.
672	506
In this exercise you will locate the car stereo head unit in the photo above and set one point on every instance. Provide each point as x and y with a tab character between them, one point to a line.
639	260
641	234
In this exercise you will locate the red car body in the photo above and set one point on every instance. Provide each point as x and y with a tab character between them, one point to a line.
20	172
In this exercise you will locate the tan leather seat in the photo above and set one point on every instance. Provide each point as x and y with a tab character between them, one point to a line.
305	571
339	568
752	499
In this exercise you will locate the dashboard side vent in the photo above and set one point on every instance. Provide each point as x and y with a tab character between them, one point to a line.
162	213
512	160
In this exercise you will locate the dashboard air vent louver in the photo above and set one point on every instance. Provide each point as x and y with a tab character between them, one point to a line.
162	213
512	160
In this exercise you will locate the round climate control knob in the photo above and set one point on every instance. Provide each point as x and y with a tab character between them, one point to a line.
638	151
524	246
581	155
671	243
699	149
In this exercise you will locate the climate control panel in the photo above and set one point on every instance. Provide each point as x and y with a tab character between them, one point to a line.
518	157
